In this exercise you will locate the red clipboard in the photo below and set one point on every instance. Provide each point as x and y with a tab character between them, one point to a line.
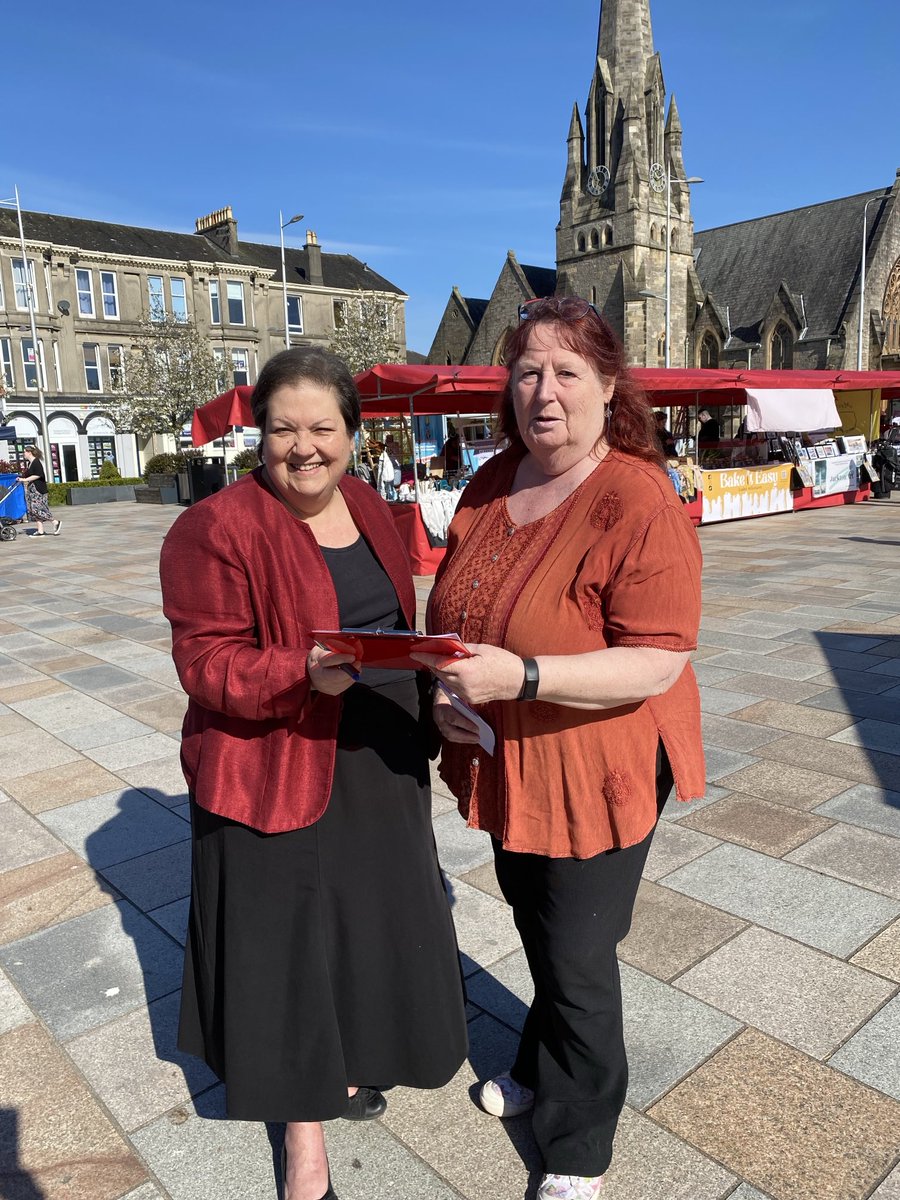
390	648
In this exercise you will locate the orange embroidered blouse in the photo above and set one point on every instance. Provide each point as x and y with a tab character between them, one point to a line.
617	564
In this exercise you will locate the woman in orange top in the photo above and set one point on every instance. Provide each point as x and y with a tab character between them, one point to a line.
573	575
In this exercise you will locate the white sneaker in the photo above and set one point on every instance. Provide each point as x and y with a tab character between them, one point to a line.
570	1187
57	525
503	1097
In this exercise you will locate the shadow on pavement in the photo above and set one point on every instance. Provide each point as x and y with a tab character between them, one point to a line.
866	670
15	1182
159	952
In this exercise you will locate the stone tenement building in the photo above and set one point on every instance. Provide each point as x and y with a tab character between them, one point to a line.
779	291
94	282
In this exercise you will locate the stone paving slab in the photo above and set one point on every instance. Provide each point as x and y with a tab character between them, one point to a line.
55	786
155	879
872	807
873	1054
890	1189
13	1009
656	1060
858	704
23	840
873	735
859	856
93	968
133	1065
783	1122
114	827
62	1143
756	823
825	913
777	781
803	997
882	953
48	892
729	734
673	846
484	925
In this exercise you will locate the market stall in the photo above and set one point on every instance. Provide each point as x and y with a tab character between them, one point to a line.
401	390
804	437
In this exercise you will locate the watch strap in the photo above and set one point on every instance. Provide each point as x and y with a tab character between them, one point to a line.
532	679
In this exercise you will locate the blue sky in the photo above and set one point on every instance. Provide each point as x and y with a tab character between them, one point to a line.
427	140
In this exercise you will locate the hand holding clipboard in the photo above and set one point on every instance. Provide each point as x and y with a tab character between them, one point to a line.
390	649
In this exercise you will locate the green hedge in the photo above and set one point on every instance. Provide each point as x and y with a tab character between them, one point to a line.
168	464
57	492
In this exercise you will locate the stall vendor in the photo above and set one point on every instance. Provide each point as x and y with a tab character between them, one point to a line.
709	431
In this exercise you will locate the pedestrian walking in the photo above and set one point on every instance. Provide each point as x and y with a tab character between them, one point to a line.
35	482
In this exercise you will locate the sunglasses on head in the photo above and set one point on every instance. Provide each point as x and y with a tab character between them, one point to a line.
563	308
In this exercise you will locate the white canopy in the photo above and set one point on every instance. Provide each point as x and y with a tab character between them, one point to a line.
796	410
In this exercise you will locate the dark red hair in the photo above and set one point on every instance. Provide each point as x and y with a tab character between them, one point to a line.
630	425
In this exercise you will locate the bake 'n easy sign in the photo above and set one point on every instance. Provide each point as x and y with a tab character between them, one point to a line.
730	495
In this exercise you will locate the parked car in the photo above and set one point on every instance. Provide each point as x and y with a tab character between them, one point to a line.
886	461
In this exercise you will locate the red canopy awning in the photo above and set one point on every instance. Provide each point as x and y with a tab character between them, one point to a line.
214	419
388	389
728	386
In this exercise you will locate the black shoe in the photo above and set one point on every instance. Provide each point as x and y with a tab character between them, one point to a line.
329	1195
365	1105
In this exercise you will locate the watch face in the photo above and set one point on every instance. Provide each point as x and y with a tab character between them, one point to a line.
598	181
658	177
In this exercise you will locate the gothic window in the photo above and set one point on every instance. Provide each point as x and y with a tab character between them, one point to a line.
595	239
709	351
892	311
582	245
782	348
673	242
661	348
607	235
654	234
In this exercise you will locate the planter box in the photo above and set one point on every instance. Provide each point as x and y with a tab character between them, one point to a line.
156	495
100	495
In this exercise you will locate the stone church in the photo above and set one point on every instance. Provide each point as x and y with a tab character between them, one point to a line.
780	291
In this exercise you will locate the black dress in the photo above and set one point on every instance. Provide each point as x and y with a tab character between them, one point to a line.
326	956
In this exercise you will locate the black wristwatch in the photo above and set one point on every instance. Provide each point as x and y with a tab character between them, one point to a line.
532	679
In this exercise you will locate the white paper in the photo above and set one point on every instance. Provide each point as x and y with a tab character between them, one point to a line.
486	739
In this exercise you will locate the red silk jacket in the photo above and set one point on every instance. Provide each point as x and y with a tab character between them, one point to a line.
243	584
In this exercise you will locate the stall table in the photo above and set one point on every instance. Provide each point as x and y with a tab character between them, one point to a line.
424	557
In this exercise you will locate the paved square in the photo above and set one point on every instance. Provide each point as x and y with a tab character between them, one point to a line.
761	975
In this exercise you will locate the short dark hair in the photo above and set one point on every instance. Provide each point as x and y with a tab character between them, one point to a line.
306	364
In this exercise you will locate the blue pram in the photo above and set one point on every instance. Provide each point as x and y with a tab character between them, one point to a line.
12	509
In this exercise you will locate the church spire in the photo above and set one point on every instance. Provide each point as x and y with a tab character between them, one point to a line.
625	39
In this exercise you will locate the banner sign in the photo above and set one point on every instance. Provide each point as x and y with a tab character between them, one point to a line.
743	492
833	475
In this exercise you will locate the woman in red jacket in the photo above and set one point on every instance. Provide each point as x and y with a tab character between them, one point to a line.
321	954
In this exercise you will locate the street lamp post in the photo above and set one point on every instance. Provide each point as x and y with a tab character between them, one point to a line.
862	286
669	181
282	226
29	285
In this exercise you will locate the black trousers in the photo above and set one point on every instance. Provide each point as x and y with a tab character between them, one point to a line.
571	914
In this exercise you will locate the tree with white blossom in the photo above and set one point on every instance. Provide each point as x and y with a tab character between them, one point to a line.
170	371
368	332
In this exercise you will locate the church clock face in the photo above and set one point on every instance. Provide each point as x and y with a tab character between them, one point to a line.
658	177
598	181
